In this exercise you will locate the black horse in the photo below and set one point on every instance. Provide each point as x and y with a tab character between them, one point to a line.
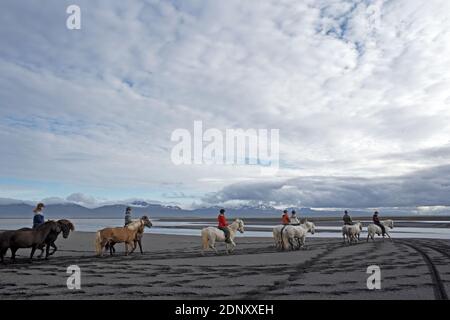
30	238
4	243
65	226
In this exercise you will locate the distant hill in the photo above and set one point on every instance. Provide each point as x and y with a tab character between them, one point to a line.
18	209
70	210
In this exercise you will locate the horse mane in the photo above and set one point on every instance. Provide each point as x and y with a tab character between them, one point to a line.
69	224
135	224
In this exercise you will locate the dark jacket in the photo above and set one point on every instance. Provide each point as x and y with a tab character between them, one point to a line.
128	218
347	219
376	220
38	219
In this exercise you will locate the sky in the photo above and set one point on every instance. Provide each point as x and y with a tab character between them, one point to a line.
359	91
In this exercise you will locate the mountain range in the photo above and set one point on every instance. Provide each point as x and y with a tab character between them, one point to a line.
24	209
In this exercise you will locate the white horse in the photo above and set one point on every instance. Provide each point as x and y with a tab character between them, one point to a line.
292	233
373	229
211	235
352	232
277	236
276	231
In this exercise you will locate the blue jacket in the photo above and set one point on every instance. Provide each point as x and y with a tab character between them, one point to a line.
38	220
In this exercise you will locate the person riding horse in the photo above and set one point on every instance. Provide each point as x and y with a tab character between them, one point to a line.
223	225
376	220
294	220
128	219
38	218
285	220
347	219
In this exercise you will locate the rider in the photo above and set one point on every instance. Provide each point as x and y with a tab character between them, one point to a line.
128	216
377	221
347	219
285	220
294	220
223	225
38	218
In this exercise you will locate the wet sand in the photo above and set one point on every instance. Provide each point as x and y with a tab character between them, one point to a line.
173	268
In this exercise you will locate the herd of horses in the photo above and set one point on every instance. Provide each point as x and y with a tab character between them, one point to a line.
287	237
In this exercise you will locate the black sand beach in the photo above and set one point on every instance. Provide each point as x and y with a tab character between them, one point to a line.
172	267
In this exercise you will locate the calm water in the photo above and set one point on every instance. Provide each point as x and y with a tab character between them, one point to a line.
187	228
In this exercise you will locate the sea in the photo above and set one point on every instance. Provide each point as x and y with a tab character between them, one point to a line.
421	229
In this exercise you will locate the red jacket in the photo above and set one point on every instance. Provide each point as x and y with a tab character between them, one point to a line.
222	221
376	219
285	219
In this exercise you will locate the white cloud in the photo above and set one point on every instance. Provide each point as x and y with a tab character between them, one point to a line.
351	85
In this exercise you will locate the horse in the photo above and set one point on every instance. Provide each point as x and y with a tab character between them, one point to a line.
373	229
4	243
278	230
291	233
352	232
31	238
212	234
137	241
65	227
120	234
277	235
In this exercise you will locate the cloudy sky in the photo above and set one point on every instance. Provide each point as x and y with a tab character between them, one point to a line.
358	89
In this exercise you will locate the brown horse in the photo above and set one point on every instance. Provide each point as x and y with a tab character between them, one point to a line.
138	241
31	238
128	235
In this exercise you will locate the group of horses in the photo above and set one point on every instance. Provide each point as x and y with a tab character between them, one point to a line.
351	233
287	237
42	237
292	237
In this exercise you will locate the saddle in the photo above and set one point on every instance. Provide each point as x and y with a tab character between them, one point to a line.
224	234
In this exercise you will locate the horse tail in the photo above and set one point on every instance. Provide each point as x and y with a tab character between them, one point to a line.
98	243
284	239
205	239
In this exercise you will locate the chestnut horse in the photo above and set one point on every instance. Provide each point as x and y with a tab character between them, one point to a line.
138	241
128	235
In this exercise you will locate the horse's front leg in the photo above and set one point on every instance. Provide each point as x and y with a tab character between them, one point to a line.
140	246
212	245
55	248
299	243
13	254
47	251
389	236
233	245
42	251
134	246
33	249
291	242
